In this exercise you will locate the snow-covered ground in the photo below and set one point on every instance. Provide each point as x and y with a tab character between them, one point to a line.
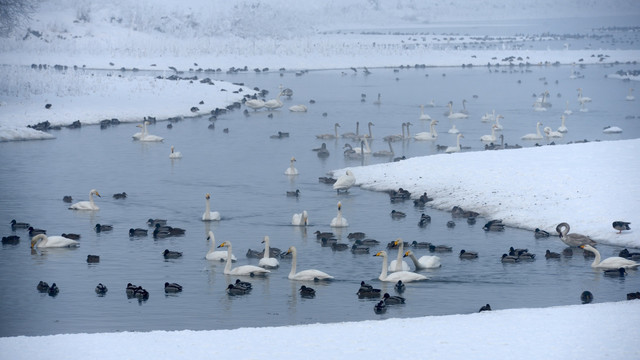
535	187
593	331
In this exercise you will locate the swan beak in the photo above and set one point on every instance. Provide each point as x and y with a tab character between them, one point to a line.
581	246
98	194
222	245
207	196
405	254
377	254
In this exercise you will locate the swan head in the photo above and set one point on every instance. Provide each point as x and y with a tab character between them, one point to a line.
408	253
172	148
37	238
381	253
291	249
140	126
588	248
207	196
147	123
339	206
460	135
94	191
293	159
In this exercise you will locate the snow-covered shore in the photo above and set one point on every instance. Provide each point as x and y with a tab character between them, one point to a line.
594	331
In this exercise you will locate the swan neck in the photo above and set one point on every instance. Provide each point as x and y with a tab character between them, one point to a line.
227	266
266	247
294	259
212	247
399	258
385	267
207	208
415	261
597	260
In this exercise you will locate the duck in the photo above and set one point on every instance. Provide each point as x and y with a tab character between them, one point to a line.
330	136
405	276
536	136
367	242
486	307
216	255
614	262
44	241
293	193
439	248
122	195
67	199
11	240
493	225
307	292
71	236
420	245
266	261
91	259
367	291
53	290
101	289
359	249
621	225
344	182
300	219
209	215
424	220
399	287
395	214
468	254
322	151
101	227
130	289
551	255
574	240
138	232
171	254
538	233
586	297
339	220
140	293
154	222
19	225
380	307
243	284
243	270
620	272
526	256
236	290
172	287
392	300
425	262
336	246
304	275
356	235
87	205
291	170
625	253
42	286
509	259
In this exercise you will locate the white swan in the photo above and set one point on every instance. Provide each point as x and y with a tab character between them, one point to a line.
301	219
344	182
567	111
612	130
452	149
246	270
432	134
291	170
425	262
551	134
456	115
175	154
405	276
395	137
431	103
255	104
304	275
583	107
487	117
146	136
497	123
87	205
492	137
339	221
366	149
389	152
563	127
582	99
536	136
217	255
44	241
614	262
453	129
139	134
298	108
266	261
630	97
274	103
330	136
398	264
423	116
208	214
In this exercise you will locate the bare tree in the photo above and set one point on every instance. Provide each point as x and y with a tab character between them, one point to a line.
14	14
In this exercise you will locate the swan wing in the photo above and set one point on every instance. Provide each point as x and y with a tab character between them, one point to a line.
247	270
310	275
405	276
